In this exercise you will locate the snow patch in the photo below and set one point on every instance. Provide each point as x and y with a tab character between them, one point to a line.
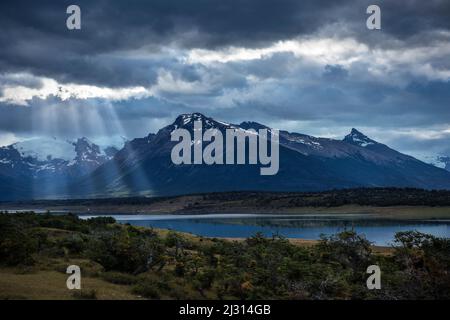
44	148
301	140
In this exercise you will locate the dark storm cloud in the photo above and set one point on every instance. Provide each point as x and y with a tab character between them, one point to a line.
142	43
34	37
337	96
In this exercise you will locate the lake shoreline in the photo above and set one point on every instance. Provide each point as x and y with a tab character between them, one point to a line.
388	212
378	230
399	203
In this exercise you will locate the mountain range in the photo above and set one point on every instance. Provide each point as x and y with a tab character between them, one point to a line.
40	167
144	167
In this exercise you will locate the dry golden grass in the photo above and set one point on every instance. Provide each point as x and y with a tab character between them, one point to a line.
51	285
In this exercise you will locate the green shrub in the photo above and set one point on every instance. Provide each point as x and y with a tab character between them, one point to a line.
16	244
74	243
126	250
101	221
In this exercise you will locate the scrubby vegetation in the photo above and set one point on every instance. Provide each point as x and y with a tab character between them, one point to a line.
334	198
158	264
262	202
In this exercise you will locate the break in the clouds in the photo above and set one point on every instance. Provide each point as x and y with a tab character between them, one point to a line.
307	66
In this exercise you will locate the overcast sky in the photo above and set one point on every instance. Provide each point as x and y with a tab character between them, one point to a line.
309	66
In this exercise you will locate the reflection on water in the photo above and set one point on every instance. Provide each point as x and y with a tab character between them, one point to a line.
379	231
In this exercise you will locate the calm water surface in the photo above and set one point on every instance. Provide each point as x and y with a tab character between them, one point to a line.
379	231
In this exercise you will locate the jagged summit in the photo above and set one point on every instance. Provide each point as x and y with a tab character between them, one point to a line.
358	138
187	118
187	121
87	151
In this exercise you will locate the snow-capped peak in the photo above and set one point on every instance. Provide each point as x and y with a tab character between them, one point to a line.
187	121
46	148
187	118
85	149
52	154
357	138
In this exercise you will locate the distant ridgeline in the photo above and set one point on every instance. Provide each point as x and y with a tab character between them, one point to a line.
334	198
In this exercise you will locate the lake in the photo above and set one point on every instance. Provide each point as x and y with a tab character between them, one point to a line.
377	230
